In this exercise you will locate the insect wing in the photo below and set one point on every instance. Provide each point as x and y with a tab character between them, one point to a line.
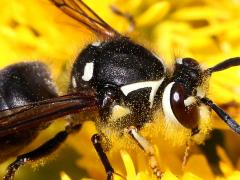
79	11
36	114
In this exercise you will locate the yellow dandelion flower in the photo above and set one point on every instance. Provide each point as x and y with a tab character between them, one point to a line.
207	30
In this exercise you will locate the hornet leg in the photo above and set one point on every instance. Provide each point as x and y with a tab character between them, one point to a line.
147	148
44	150
96	140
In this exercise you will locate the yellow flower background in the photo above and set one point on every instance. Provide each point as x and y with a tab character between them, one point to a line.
207	30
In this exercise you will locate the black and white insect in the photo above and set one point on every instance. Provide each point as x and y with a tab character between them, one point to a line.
127	85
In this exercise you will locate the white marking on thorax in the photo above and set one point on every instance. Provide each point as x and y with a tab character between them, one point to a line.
189	101
97	43
88	71
74	83
179	60
166	104
126	89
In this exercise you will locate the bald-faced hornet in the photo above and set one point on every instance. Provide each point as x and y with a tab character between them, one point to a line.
109	76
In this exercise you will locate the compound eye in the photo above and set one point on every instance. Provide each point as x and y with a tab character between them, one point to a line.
183	106
191	63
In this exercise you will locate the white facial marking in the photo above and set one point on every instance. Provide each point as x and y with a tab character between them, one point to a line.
88	71
140	85
189	101
74	84
201	92
97	43
179	60
166	104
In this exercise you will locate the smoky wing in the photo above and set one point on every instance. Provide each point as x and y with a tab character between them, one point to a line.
40	113
79	11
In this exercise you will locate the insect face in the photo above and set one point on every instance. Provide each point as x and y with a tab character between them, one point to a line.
179	97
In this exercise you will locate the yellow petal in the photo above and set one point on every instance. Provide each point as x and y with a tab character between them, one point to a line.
190	176
169	176
64	176
225	163
199	12
198	165
153	14
129	165
234	176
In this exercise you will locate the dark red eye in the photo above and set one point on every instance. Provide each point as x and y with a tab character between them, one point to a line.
186	115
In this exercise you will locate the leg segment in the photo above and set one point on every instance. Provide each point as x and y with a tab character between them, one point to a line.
188	147
186	154
96	140
148	149
44	150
